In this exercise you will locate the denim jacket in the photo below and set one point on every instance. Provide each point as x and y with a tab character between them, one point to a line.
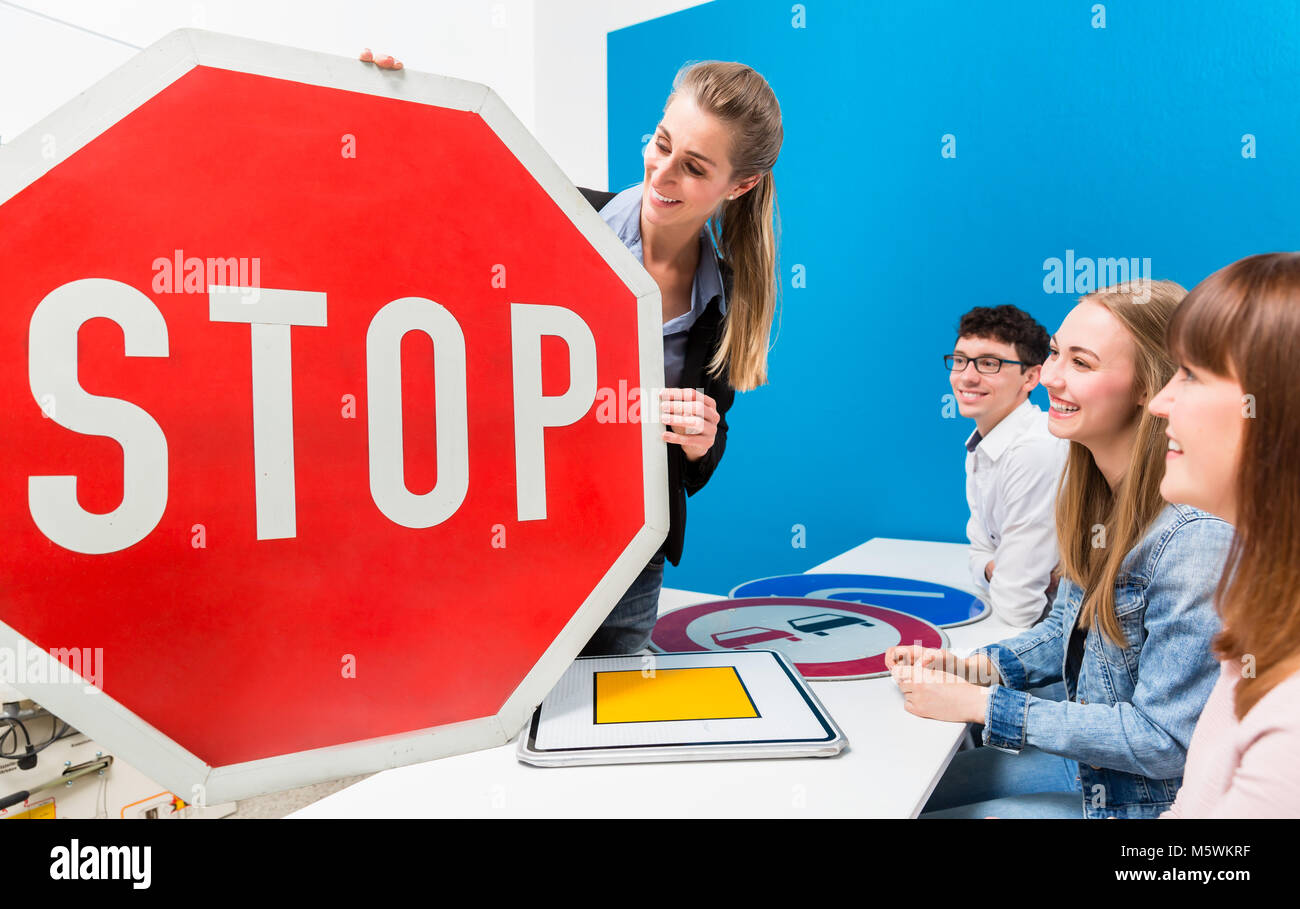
1128	715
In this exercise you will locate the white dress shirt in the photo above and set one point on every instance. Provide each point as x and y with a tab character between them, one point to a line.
1011	478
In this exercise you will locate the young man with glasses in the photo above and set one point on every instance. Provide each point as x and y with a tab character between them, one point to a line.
1012	462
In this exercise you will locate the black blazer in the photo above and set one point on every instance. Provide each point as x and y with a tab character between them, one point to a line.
686	477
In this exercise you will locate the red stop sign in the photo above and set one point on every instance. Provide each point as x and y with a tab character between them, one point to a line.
365	510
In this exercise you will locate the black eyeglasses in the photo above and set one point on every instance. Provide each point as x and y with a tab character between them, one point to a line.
986	365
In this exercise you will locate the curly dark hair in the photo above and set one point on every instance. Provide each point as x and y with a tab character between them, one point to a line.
1010	326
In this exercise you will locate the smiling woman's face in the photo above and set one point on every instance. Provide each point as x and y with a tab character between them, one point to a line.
687	161
1090	375
1207	417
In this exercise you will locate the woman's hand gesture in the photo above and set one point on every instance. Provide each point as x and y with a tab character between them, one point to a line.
923	658
694	417
940	695
976	669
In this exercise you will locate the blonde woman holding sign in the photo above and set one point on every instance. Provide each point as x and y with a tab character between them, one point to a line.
703	223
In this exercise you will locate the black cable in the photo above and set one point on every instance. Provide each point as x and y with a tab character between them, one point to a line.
52	739
28	760
55	735
19	723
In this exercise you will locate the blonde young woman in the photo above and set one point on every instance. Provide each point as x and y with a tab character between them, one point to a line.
1233	412
703	223
1130	627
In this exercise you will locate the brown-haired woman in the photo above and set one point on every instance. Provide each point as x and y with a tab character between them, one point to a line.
703	222
1234	430
1130	627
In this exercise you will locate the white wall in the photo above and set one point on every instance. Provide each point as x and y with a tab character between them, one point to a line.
546	58
43	64
571	100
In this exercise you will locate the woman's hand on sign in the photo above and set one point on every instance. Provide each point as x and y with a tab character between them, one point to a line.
382	61
693	416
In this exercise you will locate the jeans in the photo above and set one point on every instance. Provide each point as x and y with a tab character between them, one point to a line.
627	629
988	782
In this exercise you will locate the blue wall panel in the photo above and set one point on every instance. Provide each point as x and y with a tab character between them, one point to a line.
1122	141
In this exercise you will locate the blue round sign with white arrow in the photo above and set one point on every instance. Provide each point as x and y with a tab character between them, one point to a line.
935	603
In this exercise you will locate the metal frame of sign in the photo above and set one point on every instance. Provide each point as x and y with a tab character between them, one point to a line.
94	111
829	741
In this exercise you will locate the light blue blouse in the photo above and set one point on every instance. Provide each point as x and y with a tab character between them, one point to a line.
623	214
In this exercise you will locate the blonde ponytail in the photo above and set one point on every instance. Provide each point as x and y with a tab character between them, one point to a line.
745	230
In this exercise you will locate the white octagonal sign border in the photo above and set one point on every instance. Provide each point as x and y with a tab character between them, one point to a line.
27	158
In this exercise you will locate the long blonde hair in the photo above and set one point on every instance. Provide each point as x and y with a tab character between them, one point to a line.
1086	507
744	230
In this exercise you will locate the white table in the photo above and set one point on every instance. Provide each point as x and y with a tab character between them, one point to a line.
889	769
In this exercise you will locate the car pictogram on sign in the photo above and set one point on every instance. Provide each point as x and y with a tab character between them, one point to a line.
822	623
741	638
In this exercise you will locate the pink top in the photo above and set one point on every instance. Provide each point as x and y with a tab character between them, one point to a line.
1247	768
